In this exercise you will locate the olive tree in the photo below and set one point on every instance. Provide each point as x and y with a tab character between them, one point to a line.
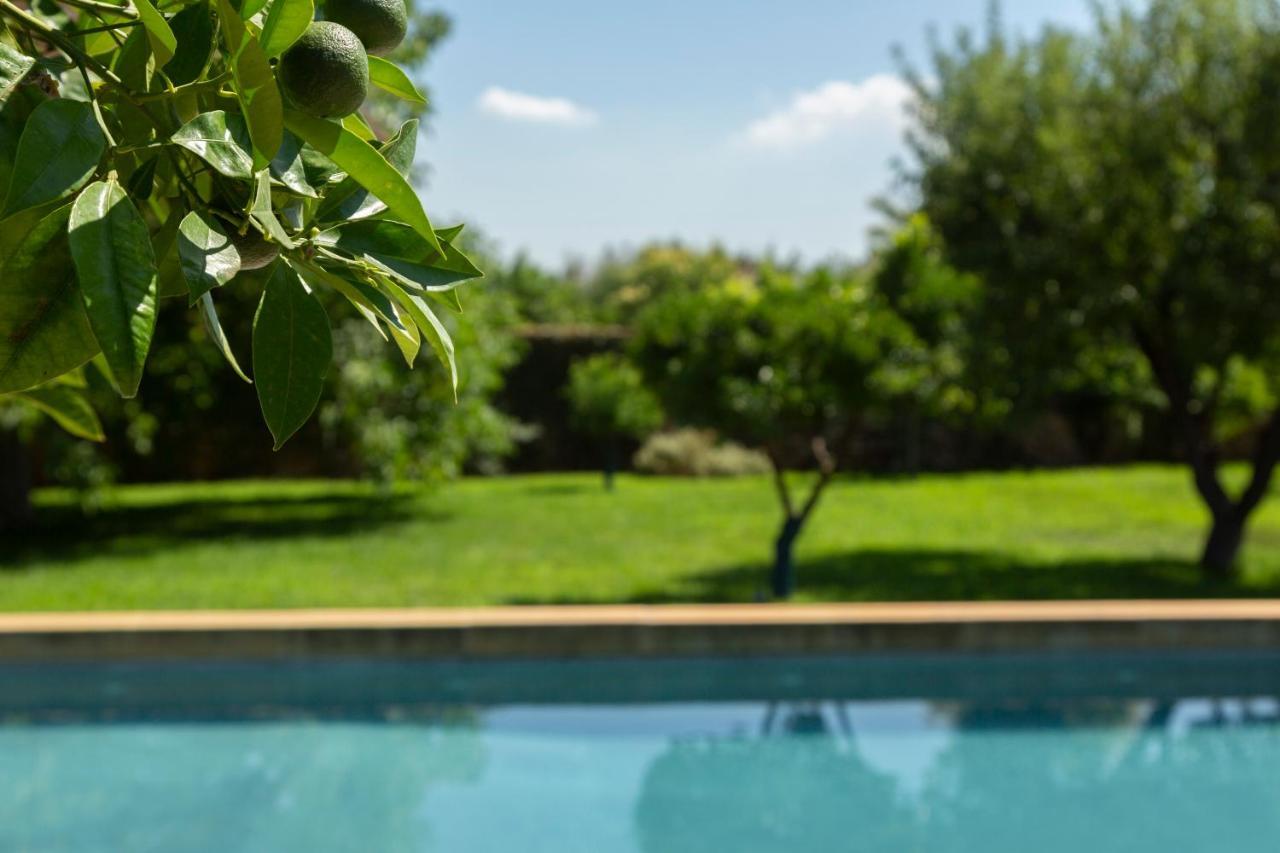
1121	190
777	361
148	157
610	401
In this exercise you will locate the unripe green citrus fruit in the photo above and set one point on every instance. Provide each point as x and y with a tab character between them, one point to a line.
379	24
255	252
326	72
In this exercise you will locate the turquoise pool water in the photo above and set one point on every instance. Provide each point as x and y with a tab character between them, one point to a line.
1116	753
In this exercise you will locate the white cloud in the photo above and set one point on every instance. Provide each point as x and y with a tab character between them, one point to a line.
516	106
876	103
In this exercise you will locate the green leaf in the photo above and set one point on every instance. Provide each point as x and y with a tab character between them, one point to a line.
355	290
193	27
359	160
397	247
408	340
357	125
68	408
221	140
143	179
44	331
315	275
263	213
389	77
432	329
164	44
285	23
255	86
59	151
209	257
289	167
111	247
213	327
164	245
249	8
292	349
348	200
13	67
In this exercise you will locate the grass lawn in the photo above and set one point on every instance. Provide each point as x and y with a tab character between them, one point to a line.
1114	533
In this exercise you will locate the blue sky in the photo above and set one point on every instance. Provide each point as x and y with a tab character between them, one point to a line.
565	126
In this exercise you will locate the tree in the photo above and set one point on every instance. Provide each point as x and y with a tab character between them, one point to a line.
778	361
1120	192
147	153
610	401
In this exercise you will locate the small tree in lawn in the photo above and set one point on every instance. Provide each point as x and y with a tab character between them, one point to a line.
777	362
610	402
164	154
1120	191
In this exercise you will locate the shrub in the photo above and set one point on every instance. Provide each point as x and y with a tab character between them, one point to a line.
697	453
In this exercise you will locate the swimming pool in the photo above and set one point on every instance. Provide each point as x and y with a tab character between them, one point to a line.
1109	752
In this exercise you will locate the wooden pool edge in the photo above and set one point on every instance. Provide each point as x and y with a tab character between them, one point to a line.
643	631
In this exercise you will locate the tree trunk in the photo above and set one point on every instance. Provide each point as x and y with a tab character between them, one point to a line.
15	482
784	573
1222	551
610	463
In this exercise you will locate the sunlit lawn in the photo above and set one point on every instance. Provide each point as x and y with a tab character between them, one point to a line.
553	539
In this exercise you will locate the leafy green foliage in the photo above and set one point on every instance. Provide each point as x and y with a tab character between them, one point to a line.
1119	192
59	151
117	271
292	347
150	158
609	398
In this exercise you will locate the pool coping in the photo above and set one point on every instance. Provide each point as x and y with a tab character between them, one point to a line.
583	632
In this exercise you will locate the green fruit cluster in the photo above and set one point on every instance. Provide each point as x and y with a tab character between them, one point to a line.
326	71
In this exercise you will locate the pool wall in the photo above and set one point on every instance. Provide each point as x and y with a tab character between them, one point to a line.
640	631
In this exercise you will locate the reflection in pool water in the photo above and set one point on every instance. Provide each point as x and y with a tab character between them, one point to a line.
1098	767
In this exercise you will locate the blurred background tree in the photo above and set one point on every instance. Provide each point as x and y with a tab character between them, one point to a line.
785	363
1117	192
610	402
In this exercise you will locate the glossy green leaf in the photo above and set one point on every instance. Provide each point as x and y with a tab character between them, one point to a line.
208	255
221	140
292	349
111	247
193	27
255	86
407	339
285	23
213	327
164	44
264	214
68	408
316	276
357	125
366	166
355	290
249	8
389	77
349	200
290	169
430	326
44	331
13	67
396	247
59	151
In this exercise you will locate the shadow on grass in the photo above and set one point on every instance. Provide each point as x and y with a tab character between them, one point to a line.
950	575
67	532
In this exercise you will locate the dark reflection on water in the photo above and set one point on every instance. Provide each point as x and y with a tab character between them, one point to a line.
1121	753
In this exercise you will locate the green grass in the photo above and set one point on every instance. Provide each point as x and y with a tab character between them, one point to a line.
1130	532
